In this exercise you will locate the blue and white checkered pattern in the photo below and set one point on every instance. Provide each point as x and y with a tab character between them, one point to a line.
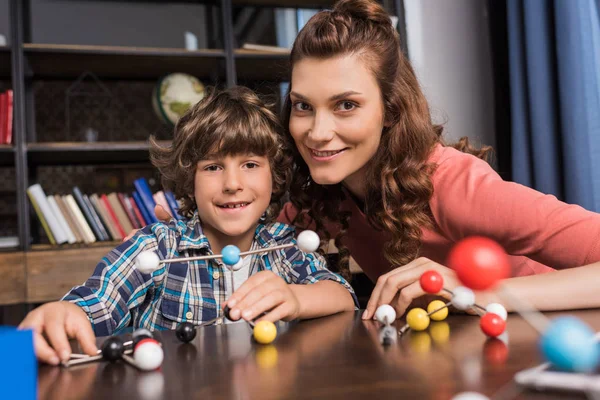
118	295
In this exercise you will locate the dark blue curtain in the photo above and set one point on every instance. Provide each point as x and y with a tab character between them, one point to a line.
554	76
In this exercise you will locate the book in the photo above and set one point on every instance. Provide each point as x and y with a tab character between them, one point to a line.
136	211
104	218
97	220
9	241
113	217
126	204
143	189
173	204
141	208
40	198
81	221
266	48
69	217
78	196
120	213
41	217
8	119
61	219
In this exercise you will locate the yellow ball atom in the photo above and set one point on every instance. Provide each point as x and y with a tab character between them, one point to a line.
266	356
417	319
265	332
437	305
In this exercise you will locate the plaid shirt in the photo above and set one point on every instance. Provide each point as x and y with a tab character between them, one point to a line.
118	294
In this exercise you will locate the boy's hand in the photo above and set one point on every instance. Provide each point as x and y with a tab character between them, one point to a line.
161	214
53	324
264	292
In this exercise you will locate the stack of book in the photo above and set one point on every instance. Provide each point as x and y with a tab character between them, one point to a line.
79	218
6	117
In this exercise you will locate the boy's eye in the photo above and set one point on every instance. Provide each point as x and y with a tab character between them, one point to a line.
346	106
212	168
301	106
251	165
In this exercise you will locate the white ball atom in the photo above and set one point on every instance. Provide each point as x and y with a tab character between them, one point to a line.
308	241
498	309
470	396
385	314
147	262
237	266
463	298
148	356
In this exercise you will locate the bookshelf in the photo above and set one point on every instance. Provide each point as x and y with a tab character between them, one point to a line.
35	271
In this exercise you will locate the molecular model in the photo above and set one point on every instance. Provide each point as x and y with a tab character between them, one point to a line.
567	343
264	332
142	352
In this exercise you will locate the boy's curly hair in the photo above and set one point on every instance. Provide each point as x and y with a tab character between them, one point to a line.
228	122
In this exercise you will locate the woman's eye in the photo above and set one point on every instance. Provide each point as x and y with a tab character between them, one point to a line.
300	106
346	106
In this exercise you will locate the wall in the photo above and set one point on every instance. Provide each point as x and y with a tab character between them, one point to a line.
449	47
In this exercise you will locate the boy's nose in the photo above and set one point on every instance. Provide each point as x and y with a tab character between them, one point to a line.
232	182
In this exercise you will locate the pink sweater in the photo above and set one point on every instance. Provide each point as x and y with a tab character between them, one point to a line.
538	231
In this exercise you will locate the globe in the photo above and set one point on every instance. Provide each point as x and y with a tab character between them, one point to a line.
174	94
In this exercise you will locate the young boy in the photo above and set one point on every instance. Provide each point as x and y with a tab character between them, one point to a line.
229	168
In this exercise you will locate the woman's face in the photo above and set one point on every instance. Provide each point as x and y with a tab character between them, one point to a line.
337	118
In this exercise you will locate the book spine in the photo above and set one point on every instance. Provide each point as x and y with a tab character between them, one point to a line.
97	220
101	216
173	205
141	208
113	216
136	211
41	217
87	213
120	213
143	189
8	127
85	227
69	217
128	210
40	197
61	219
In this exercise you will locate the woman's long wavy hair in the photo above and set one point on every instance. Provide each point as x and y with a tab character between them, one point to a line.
398	180
229	122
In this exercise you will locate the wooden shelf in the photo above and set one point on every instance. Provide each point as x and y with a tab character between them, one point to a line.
7	155
61	153
69	61
5	63
261	65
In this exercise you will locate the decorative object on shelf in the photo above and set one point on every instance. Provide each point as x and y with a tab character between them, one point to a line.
88	109
191	41
174	95
2	40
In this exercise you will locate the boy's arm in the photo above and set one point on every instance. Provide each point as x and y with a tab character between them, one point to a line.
116	286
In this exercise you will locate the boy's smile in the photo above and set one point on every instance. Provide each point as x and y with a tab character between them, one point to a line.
232	193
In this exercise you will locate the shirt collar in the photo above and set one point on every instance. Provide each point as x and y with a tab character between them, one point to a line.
192	236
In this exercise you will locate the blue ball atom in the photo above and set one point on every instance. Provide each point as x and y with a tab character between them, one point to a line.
569	345
231	254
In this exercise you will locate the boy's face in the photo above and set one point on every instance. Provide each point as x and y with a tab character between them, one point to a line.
231	194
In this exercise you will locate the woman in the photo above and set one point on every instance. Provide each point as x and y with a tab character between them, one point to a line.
373	172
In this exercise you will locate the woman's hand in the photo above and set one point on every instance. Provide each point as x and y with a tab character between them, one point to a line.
401	286
264	292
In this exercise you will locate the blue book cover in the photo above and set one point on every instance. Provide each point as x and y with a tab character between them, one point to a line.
143	190
138	202
172	204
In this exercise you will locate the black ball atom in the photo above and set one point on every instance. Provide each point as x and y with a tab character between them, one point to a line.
226	311
186	332
112	349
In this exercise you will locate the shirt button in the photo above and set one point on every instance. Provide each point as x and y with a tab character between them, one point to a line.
189	315
216	275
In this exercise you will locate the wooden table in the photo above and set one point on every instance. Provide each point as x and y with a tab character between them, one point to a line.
337	357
